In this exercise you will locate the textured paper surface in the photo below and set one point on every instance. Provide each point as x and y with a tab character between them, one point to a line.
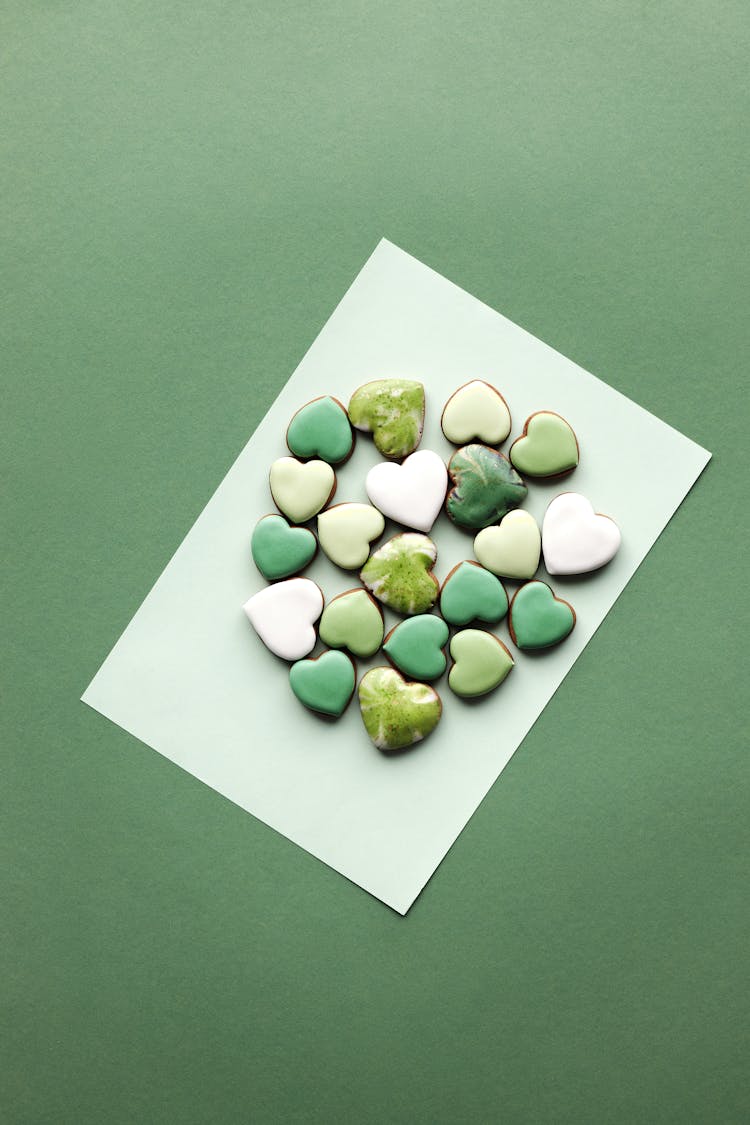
190	678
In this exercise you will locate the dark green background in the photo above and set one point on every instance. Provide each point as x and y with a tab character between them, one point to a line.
187	190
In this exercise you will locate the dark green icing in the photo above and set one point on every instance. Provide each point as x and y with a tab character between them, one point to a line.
321	429
537	618
486	487
471	593
416	647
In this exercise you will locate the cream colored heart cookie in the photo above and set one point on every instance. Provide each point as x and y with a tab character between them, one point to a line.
512	547
346	531
476	412
300	489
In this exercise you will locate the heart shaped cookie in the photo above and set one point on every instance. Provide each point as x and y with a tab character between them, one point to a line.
345	532
400	576
511	548
321	429
284	616
397	714
411	493
471	593
538	619
353	620
301	489
481	663
547	447
279	550
476	412
415	646
324	683
485	486
392	410
575	538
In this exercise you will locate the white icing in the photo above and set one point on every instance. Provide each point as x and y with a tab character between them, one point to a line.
284	616
345	532
478	412
412	493
301	489
575	538
512	547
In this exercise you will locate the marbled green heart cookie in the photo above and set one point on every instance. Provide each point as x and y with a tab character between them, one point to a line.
481	663
321	429
485	486
538	619
279	550
471	593
400	576
415	646
397	714
392	410
353	620
324	683
547	447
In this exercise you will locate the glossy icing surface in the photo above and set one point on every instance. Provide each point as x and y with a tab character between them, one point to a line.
512	548
279	550
300	489
325	684
575	538
399	573
481	663
345	532
284	616
547	447
411	493
476	412
392	410
397	714
415	646
486	487
321	429
471	593
538	619
352	621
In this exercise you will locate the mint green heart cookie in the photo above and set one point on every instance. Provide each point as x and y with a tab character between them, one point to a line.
415	646
485	486
471	593
400	576
539	619
352	620
279	550
481	663
324	683
392	410
321	429
397	714
547	447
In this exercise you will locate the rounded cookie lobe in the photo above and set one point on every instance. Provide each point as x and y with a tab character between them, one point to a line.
538	618
548	447
284	616
512	547
411	493
397	714
476	412
301	488
481	663
345	532
321	429
415	646
392	410
485	487
324	683
471	593
400	576
353	620
575	538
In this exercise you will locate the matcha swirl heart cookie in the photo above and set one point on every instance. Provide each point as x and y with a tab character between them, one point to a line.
400	576
397	714
392	410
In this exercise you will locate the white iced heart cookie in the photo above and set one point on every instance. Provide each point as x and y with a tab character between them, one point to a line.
284	616
575	538
476	412
345	532
411	493
512	547
300	489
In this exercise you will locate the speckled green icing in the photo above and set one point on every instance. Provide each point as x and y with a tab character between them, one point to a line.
399	573
471	593
325	684
416	647
537	618
279	550
393	411
353	621
397	714
321	429
547	446
486	486
481	663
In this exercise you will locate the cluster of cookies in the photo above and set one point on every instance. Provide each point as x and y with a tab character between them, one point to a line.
481	491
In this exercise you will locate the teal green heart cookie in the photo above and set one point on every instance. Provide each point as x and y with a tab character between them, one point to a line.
397	714
537	618
547	447
481	663
324	683
352	620
392	410
485	487
321	429
415	646
471	593
400	576
279	550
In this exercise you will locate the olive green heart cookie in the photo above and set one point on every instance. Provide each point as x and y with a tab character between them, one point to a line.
279	550
392	410
481	663
538	619
324	683
321	429
415	646
397	714
353	620
485	486
400	576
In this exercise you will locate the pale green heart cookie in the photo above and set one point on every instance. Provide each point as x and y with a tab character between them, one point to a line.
300	489
352	620
415	646
399	574
324	683
481	663
476	412
397	714
539	619
392	410
512	548
345	532
546	448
